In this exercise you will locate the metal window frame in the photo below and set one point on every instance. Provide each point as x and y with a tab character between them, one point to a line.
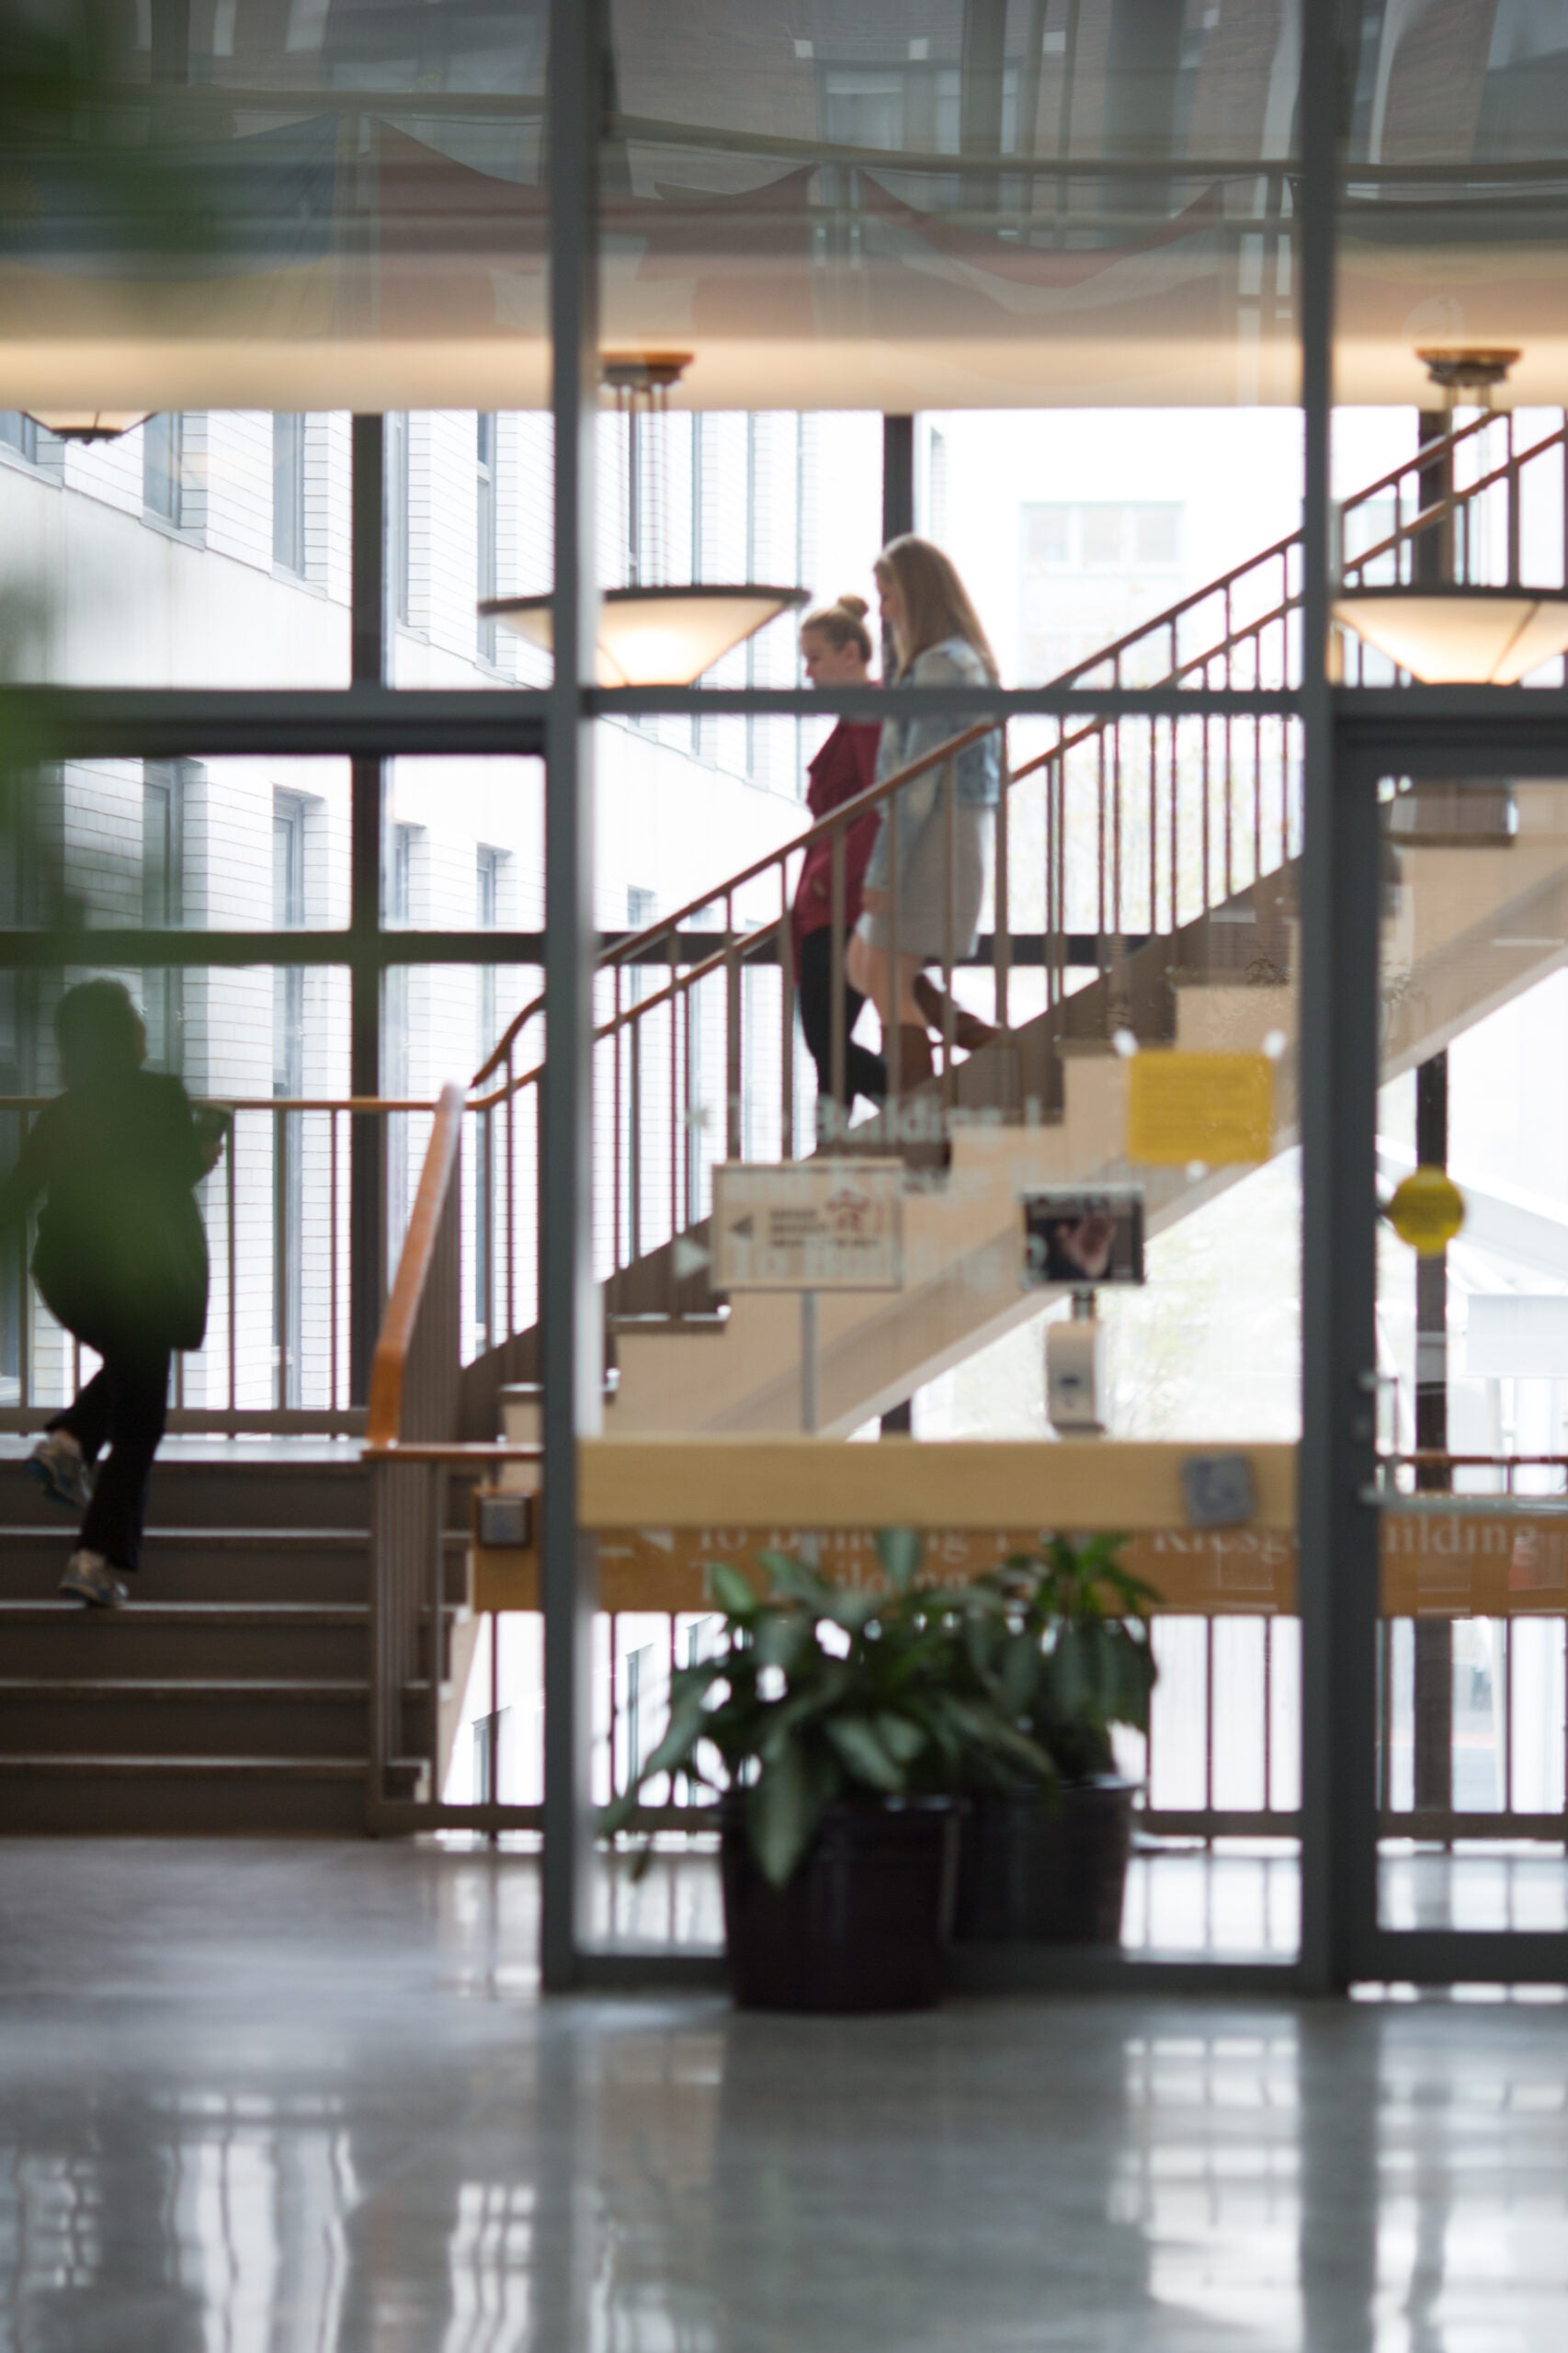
1348	737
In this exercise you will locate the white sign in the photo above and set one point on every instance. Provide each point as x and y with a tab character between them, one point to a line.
809	1225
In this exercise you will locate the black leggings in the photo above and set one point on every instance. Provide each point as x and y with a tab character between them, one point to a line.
864	1072
123	1406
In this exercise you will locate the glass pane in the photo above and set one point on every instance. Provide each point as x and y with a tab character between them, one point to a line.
268	1050
1118	922
1472	1340
213	549
341	206
205	845
917	208
1453	214
463	846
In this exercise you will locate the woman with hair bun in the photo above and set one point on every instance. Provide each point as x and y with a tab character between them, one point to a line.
939	642
836	647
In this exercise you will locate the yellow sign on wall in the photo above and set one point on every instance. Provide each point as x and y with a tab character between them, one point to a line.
1181	1108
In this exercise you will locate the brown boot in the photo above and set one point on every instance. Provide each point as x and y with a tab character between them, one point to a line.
916	1062
968	1030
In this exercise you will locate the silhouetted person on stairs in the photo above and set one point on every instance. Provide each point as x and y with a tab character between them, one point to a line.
121	1261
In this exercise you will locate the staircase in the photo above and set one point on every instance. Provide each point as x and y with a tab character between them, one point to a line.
233	1694
1471	937
1179	861
236	1694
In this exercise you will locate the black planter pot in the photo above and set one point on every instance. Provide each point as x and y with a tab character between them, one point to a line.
1038	1869
863	1924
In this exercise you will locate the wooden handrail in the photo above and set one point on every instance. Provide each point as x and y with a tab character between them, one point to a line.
391	1359
847	813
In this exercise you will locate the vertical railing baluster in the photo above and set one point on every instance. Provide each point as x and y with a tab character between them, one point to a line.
1385	1717
512	1195
892	1034
733	1055
1209	1722
786	1023
838	984
1002	895
616	1261
671	958
950	821
634	1145
332	1248
1269	1715
1154	825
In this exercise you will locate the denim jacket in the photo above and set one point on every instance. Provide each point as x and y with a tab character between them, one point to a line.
976	771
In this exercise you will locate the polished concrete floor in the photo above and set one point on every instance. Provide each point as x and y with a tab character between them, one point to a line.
266	2100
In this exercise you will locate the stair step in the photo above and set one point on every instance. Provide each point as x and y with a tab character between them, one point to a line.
203	1563
222	1492
197	1795
144	1716
189	1641
71	1766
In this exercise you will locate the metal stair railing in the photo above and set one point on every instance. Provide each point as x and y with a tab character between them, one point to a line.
277	1356
1116	831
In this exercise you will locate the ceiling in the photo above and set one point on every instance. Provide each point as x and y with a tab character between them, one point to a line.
951	203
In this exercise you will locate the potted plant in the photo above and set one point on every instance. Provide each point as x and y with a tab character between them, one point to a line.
846	1725
1062	1646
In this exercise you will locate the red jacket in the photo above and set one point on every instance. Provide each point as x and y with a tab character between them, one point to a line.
845	767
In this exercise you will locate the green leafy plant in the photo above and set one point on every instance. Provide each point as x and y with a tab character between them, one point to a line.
819	1692
1065	1649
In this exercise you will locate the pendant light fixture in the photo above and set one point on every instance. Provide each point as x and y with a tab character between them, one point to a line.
653	632
1452	632
89	425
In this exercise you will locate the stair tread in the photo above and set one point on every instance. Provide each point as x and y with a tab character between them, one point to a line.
66	1764
113	1687
216	1613
342	1540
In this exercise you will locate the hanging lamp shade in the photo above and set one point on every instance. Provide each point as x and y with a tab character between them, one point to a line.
664	636
1460	636
89	425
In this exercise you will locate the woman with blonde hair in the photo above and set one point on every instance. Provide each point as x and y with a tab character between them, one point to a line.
939	642
836	649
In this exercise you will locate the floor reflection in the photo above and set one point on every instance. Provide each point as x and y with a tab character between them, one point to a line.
269	2100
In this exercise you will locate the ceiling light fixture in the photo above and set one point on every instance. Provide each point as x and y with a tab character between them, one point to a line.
1449	632
652	633
89	425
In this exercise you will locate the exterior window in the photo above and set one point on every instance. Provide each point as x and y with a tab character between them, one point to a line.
287	1079
487	915
642	906
397	517
484	577
1092	571
162	904
289	494
396	1061
288	914
162	460
19	433
936	486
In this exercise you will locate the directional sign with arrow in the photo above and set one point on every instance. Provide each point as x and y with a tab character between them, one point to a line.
809	1225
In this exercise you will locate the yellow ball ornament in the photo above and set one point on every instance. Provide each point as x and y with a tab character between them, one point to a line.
1426	1211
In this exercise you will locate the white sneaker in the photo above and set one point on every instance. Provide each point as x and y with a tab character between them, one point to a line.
88	1577
59	1465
